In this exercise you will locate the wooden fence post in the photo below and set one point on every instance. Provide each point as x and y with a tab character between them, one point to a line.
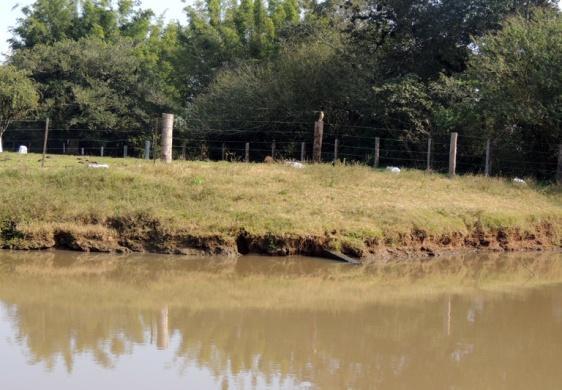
377	151
223	151
82	151
559	169
428	164
64	147
125	150
273	145
167	137
453	154
101	151
318	133
487	168
303	151
336	142
45	143
204	152
184	150
147	150
247	152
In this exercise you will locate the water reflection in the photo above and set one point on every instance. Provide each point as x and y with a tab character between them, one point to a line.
479	339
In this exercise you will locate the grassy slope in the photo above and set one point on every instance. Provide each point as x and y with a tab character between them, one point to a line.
210	197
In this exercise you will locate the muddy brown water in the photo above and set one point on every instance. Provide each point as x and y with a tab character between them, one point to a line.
77	321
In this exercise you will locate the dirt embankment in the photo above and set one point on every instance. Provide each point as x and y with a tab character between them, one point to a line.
142	234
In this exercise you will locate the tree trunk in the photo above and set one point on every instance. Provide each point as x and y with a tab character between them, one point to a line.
1	148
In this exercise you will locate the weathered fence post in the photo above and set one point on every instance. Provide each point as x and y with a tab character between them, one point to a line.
273	145
167	136
377	151
487	167
247	152
64	147
125	150
559	169
82	151
303	151
45	142
154	142
453	154
223	151
101	151
147	150
318	133
184	150
204	151
336	142
428	163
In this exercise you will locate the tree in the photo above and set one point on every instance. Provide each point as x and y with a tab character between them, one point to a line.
517	75
50	21
220	35
305	76
92	84
263	33
244	19
45	21
424	37
405	104
18	97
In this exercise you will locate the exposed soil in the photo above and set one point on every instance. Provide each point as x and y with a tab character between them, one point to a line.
142	234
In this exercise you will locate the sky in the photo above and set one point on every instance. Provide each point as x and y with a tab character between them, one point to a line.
8	16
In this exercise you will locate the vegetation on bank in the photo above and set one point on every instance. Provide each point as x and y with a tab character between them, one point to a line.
354	207
258	71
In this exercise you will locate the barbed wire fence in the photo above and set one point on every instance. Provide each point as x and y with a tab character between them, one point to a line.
256	141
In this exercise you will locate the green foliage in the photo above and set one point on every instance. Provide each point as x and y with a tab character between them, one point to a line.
45	21
222	35
50	21
18	96
290	87
407	105
405	69
89	83
424	37
97	63
518	74
512	90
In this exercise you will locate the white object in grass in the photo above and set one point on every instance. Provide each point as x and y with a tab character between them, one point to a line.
98	166
295	164
394	170
22	149
519	181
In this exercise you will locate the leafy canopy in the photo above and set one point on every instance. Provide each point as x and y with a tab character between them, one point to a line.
18	95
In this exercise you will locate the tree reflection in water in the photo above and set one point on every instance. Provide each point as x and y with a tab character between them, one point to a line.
477	339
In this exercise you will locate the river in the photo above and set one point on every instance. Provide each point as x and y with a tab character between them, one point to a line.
85	321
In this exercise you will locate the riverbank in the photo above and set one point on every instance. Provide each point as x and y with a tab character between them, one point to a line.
222	208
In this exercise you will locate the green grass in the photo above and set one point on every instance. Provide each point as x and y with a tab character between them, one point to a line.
357	202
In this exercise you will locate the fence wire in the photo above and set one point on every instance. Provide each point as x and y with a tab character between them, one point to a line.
294	141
